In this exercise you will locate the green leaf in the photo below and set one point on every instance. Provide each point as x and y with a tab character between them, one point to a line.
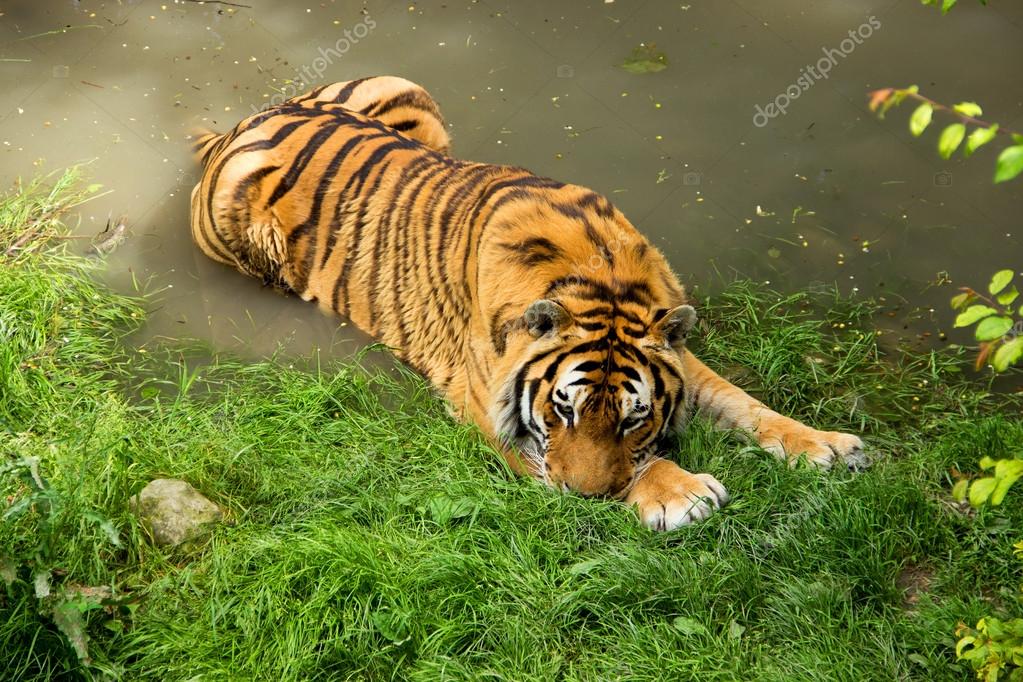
107	526
919	659
583	567
1008	354
920	119
962	644
999	281
981	489
950	139
968	109
735	630
991	328
68	618
443	509
978	138
973	314
1008	471
392	625
961	300
688	626
1009	164
987	462
947	5
959	490
1007	297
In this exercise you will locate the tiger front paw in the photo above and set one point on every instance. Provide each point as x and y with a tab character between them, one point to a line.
667	496
789	439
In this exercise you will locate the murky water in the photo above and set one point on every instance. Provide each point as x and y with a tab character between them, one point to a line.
822	194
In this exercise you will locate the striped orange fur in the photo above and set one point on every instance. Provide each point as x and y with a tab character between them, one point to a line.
535	308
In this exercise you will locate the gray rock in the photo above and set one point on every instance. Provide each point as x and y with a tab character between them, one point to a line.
174	511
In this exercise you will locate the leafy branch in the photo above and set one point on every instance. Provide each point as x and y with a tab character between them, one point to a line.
1010	161
997	330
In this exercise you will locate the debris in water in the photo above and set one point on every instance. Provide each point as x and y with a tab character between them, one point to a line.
645	59
110	239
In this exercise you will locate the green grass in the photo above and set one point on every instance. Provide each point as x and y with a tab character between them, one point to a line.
374	538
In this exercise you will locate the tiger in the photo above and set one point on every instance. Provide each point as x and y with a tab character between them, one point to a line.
533	307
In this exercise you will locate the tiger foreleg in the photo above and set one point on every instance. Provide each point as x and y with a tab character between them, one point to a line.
667	496
729	407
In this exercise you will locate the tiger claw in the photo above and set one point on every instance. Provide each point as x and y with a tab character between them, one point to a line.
789	439
668	497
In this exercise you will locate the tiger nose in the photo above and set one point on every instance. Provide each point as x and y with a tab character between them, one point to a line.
593	484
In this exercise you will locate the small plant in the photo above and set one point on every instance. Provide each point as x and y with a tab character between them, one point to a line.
999	327
38	520
1010	160
995	647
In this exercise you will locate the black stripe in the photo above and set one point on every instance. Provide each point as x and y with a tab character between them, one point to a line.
345	93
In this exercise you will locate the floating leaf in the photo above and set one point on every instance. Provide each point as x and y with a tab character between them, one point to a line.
973	314
978	138
1009	164
999	281
920	119
688	626
645	59
1008	354
991	328
950	139
968	109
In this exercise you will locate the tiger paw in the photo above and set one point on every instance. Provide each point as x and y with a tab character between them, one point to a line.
788	439
667	496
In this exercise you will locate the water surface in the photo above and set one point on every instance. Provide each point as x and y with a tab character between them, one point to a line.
824	194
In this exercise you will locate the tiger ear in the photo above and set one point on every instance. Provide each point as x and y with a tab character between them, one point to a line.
544	316
674	326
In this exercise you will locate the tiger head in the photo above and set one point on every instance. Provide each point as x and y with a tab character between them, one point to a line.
593	392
